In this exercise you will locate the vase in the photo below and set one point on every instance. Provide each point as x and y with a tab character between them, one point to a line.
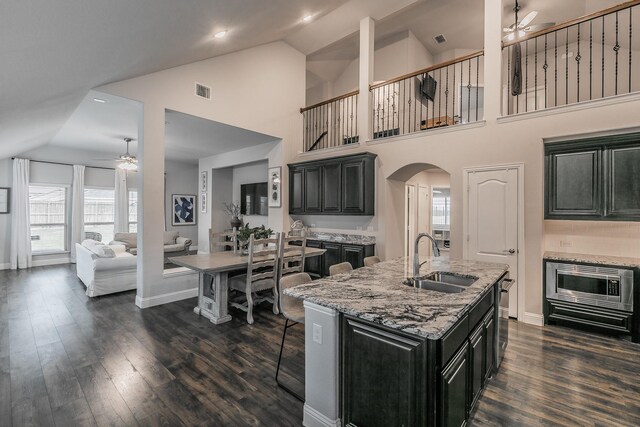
236	222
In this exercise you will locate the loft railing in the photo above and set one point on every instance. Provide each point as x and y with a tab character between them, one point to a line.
332	123
445	94
587	58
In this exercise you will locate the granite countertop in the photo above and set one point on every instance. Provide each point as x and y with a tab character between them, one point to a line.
353	239
377	294
594	259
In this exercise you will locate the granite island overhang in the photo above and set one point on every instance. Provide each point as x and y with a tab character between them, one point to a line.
369	321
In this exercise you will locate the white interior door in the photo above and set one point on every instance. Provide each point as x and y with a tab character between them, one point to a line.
410	219
423	219
492	221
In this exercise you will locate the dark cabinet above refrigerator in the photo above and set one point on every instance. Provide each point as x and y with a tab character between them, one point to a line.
593	179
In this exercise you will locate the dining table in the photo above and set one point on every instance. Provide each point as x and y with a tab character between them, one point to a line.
213	271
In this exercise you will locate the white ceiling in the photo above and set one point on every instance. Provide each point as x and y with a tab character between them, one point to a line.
53	53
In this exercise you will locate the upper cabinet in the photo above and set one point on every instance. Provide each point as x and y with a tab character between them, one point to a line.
335	186
593	179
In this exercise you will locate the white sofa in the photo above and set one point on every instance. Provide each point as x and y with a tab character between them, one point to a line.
104	276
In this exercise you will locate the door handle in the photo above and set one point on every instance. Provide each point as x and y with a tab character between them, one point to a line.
509	251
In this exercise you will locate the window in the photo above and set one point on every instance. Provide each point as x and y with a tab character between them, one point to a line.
48	216
133	211
99	212
441	208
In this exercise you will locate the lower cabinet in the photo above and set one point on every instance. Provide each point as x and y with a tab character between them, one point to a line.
382	376
336	253
391	378
454	389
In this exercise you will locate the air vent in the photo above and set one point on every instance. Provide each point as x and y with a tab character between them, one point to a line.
203	91
440	39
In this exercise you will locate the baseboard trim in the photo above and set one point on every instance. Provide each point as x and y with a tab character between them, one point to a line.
313	418
533	319
46	262
166	298
5	266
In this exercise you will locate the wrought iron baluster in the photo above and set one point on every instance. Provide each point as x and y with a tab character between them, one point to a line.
446	98
439	93
526	76
477	83
535	75
578	58
453	98
591	59
414	93
566	68
630	44
545	67
469	92
555	77
509	81
404	93
357	133
603	56
616	48
433	110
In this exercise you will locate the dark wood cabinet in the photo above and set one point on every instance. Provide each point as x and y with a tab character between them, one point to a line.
382	374
296	190
313	265
593	179
454	390
331	180
312	189
335	186
624	182
489	337
477	363
336	253
333	255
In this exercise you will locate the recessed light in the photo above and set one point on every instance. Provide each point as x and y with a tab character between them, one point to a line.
220	34
100	100
307	18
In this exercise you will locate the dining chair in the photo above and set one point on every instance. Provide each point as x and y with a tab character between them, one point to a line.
343	267
262	275
291	255
225	240
293	312
371	260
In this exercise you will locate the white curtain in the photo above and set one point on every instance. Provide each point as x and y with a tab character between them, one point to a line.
122	202
77	209
20	221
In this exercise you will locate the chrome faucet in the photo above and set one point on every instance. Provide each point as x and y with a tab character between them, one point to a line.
416	257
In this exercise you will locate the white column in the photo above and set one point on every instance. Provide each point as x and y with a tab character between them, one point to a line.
321	355
492	59
150	201
367	33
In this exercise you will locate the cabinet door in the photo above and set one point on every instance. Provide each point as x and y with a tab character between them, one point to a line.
332	188
312	192
489	337
477	360
354	255
624	183
353	187
313	265
333	255
454	389
573	185
296	190
381	375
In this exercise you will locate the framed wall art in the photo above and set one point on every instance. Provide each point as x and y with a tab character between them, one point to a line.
184	209
275	187
4	200
203	181
203	203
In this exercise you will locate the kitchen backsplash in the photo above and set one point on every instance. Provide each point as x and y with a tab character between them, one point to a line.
593	237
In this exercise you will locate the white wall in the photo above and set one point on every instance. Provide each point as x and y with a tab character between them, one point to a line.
271	108
182	178
249	174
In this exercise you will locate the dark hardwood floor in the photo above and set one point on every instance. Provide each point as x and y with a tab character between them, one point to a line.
69	360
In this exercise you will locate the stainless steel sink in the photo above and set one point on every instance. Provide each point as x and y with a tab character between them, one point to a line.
451	278
434	286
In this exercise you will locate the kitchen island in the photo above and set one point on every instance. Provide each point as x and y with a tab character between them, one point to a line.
380	352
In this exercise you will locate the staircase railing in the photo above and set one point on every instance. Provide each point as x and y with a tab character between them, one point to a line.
331	123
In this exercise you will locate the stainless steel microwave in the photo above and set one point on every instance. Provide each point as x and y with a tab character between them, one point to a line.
591	285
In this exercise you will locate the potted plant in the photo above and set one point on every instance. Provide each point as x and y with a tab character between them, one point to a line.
233	210
244	233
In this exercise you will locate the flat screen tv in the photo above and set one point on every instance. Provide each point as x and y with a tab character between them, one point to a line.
428	87
254	199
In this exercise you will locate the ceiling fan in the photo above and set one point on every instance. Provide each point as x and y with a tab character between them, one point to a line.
520	28
126	161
